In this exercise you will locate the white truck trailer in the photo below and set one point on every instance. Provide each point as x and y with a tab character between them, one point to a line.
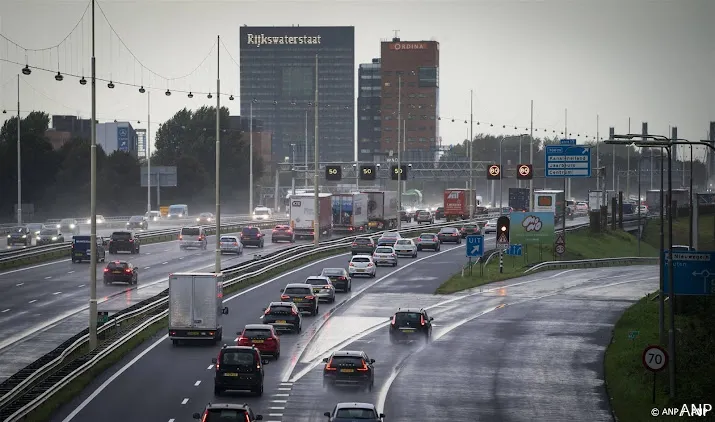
196	307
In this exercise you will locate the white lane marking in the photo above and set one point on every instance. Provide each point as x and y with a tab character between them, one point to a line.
57	293
196	384
284	389
563	272
276	408
172	420
33	267
70	272
81	285
48	277
184	401
147	253
180	258
167	250
290	384
279	401
278	415
147	268
281	395
164	263
19	284
5	310
32	301
131	363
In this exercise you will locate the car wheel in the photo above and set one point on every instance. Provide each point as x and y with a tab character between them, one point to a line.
394	264
217	391
259	390
350	286
277	355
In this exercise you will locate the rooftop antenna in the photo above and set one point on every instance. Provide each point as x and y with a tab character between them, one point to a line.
397	35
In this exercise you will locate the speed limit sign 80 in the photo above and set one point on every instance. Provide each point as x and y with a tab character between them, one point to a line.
655	358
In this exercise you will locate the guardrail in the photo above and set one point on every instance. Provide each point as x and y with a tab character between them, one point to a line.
21	393
594	263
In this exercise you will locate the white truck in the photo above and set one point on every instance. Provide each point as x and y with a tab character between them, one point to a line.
302	215
349	212
196	307
382	209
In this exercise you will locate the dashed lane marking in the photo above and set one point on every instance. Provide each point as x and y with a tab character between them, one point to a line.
275	415
281	395
164	263
57	293
184	401
210	367
19	284
276	408
284	389
48	277
172	420
81	285
279	401
196	384
6	310
32	301
147	268
180	258
70	272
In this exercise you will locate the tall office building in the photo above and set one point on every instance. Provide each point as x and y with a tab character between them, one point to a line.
418	63
369	125
278	79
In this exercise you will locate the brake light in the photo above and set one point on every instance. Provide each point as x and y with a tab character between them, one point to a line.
455	234
330	367
352	265
235	243
181	237
350	229
218	365
355	244
392	255
271	338
341	278
310	297
419	240
422	320
293	312
206	415
275	231
312	233
131	240
364	367
284	297
106	270
393	320
243	341
268	311
369	264
248	419
128	271
201	237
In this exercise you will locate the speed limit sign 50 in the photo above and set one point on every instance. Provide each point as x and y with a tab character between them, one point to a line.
655	358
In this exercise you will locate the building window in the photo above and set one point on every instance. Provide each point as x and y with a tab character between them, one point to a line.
423	139
388	117
410	139
412	95
421	95
364	117
387	129
428	77
431	117
388	139
431	139
388	84
423	117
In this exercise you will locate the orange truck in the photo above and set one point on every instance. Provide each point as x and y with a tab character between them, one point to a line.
456	204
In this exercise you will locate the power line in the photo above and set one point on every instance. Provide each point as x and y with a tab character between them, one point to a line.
81	19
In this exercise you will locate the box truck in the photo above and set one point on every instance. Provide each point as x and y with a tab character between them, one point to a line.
196	307
550	201
302	215
382	212
519	199
456	204
349	212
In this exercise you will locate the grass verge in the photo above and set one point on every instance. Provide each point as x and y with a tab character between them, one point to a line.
580	244
630	386
681	232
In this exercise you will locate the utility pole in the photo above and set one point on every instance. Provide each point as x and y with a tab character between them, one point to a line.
19	159
217	267
306	149
316	181
531	158
472	196
399	150
93	203
250	157
628	165
148	155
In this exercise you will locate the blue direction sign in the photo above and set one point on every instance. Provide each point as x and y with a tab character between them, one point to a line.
568	142
475	246
568	161
514	250
693	272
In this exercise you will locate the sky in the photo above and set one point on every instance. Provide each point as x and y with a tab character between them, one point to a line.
580	62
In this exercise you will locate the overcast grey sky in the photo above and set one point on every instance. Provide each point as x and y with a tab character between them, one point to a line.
648	60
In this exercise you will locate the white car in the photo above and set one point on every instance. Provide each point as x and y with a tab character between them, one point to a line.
490	226
406	247
100	220
153	215
262	213
362	265
384	255
230	244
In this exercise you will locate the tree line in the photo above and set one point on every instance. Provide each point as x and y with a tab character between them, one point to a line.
57	182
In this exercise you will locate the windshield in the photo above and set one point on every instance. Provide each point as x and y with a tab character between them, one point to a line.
228	239
363	241
225	415
48	232
238	357
403	242
316	282
206	215
298	291
407	318
190	231
470	226
390	236
176	210
360	259
383	250
121	236
67	221
356	414
264	211
426	236
448	230
18	230
281	309
34	227
136	219
117	265
250	230
257	332
332	271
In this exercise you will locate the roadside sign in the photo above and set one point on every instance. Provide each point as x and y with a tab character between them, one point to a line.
655	358
102	317
494	172
514	250
560	243
693	272
475	246
505	210
502	241
567	161
568	142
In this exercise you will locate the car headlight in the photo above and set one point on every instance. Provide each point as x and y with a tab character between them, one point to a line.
181	215
71	226
9	236
89	221
38	238
58	226
54	237
24	236
198	219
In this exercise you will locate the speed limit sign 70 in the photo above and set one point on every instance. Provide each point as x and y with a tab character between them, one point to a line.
655	358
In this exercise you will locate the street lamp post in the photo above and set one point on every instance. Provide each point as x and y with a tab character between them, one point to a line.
316	212
399	150
217	264
305	182
19	159
148	155
93	202
250	156
472	195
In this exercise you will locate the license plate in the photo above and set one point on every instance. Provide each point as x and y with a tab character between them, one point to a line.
258	341
193	333
297	299
408	331
361	270
116	272
316	290
230	374
281	322
347	370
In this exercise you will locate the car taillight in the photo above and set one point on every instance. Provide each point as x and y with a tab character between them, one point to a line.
284	297
355	244
268	311
352	265
293	312
206	415
106	270
248	419
392	255
128	271
422	320
242	341
330	367
419	240
235	243
393	320
181	237
455	234
341	278
312	233
201	237
369	264
271	339
364	367
275	231
350	229
131	240
310	297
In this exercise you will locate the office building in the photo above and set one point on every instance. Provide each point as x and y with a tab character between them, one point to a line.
369	122
418	63
117	136
277	66
75	126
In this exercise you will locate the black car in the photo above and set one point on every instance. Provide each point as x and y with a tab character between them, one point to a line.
408	323
282	232
252	236
449	234
439	213
124	242
228	412
470	229
138	222
352	412
283	316
302	295
48	236
349	368
363	246
120	272
405	216
339	277
239	368
19	236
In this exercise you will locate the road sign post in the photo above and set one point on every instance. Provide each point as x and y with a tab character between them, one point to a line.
560	244
655	359
475	249
693	273
514	250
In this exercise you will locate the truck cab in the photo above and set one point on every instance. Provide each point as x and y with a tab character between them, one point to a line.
82	249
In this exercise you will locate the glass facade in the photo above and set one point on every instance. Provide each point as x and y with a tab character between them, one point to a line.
369	122
278	67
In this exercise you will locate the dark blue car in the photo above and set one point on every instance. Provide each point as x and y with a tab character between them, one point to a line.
81	249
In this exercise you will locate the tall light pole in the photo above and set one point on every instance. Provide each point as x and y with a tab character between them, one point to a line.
250	155
316	175
217	266
531	158
399	150
19	160
93	203
472	196
306	148
148	154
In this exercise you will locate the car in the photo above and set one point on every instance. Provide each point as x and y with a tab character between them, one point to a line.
582	207
252	236
230	244
283	316
439	213
68	225
407	323
362	265
238	368
348	367
352	412
424	217
262	213
302	295
362	246
282	232
469	229
138	222
205	218
322	288
339	277
19	235
388	239
124	241
405	247
261	336
120	272
153	215
35	229
428	241
82	249
490	226
228	412
405	216
193	237
384	255
449	234
48	236
100	220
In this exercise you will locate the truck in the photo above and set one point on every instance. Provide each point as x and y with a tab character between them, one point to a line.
680	196
302	215
382	212
196	307
550	201
519	199
456	204
349	212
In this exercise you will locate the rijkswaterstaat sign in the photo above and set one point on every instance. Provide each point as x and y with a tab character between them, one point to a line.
263	39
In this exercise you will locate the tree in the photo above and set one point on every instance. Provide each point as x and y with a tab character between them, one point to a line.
118	189
72	183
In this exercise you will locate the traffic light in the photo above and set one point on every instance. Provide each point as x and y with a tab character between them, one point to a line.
333	172
524	172
494	172
503	230
368	172
402	171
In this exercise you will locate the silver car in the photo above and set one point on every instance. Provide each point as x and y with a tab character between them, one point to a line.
385	255
388	239
490	226
406	247
230	244
323	288
362	265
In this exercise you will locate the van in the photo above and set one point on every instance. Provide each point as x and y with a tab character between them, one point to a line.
178	211
192	237
82	249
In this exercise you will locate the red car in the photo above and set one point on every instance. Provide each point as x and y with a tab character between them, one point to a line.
261	336
282	232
